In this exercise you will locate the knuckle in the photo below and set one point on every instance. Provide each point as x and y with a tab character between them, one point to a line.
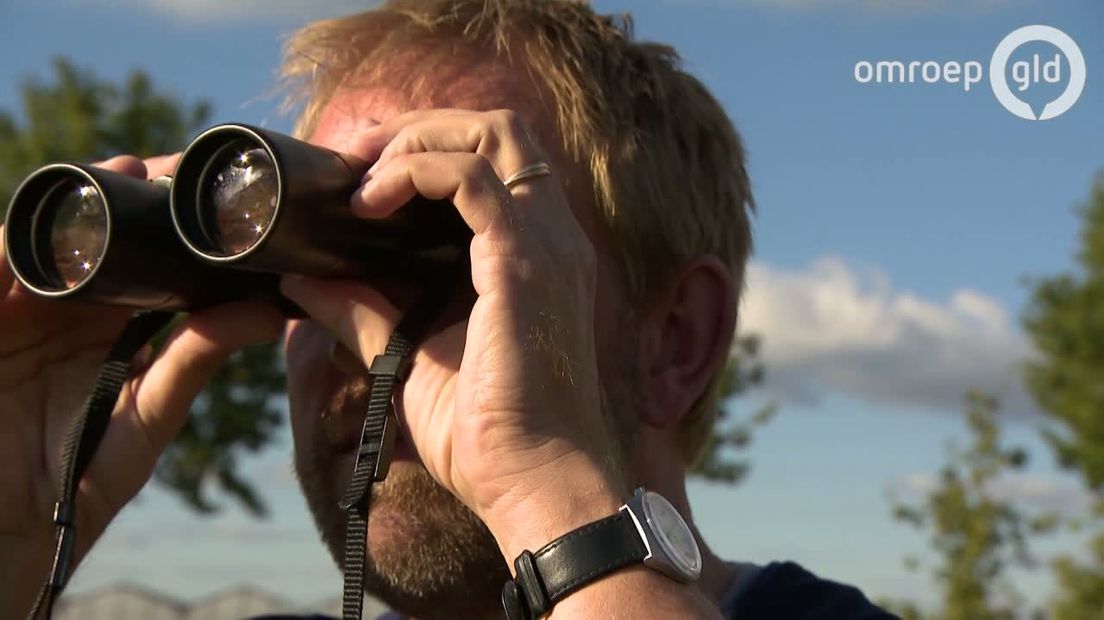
498	126
477	169
507	121
407	140
401	161
479	184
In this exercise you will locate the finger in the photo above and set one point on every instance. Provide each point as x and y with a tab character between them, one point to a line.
369	144
356	314
502	136
162	165
467	179
124	164
192	355
153	407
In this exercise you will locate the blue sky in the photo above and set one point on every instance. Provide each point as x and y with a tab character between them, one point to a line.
896	225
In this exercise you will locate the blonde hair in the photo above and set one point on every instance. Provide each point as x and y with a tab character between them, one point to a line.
666	164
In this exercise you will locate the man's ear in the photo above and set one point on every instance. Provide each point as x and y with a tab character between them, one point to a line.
687	334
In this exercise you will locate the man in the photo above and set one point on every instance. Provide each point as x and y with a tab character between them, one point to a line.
606	274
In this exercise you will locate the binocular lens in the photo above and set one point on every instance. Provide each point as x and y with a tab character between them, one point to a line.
69	234
237	197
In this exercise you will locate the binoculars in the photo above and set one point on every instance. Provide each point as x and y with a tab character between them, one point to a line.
244	206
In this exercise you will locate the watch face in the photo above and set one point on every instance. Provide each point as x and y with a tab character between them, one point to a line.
672	534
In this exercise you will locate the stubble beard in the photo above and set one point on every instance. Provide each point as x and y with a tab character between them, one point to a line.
429	556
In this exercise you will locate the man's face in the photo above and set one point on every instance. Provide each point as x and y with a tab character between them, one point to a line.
427	553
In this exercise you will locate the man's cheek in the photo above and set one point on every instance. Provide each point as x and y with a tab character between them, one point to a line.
306	350
303	339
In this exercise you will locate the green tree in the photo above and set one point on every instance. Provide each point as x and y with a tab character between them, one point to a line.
1065	320
733	432
77	117
976	536
1080	586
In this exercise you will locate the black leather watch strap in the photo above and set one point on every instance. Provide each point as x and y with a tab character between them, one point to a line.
569	562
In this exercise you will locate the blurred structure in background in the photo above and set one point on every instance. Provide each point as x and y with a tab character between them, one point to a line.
127	601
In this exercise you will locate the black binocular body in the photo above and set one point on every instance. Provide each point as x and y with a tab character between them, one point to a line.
244	206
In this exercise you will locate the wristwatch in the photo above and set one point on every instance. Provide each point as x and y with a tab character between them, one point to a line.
646	529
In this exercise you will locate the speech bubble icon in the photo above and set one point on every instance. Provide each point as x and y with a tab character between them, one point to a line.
1028	34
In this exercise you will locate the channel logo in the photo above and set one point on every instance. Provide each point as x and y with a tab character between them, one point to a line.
1068	62
1025	73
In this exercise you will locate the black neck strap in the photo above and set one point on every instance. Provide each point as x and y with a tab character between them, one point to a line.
83	437
377	438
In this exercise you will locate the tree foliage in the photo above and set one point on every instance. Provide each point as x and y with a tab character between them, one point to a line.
976	536
78	117
1080	585
732	432
1065	320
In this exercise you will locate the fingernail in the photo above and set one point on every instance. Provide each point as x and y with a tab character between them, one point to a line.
371	171
360	198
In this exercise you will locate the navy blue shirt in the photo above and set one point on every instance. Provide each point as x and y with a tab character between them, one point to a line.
777	591
785	590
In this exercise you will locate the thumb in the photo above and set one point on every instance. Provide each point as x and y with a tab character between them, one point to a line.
191	356
356	314
153	407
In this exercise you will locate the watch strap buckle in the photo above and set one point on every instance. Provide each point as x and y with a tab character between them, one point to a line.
529	581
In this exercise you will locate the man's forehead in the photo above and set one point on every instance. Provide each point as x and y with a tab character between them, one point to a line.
351	111
472	86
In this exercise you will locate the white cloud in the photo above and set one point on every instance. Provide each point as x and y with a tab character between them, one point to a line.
1032	491
216	11
832	327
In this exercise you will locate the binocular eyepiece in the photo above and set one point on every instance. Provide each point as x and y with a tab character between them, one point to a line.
244	206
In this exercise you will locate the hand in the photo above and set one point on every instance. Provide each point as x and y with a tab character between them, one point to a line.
50	354
505	408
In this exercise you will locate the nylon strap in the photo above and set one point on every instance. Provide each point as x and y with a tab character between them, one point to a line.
83	437
377	439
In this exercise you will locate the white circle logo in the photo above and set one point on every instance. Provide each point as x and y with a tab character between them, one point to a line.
1028	34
